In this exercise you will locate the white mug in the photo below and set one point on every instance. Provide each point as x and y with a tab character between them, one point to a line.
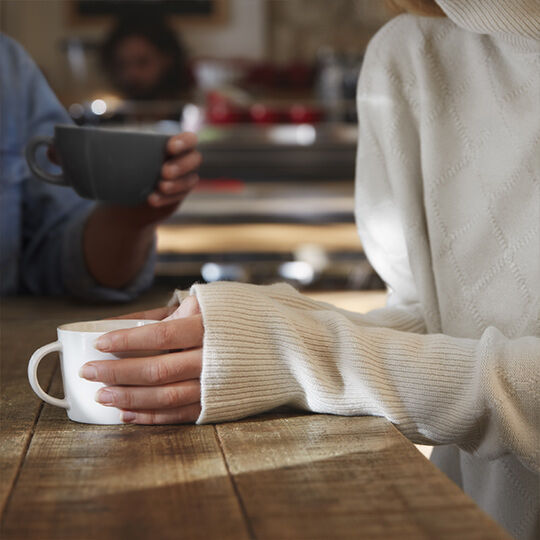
76	345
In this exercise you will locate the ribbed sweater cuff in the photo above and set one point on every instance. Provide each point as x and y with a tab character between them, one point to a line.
266	347
242	372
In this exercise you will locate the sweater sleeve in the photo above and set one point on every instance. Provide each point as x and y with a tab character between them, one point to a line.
266	347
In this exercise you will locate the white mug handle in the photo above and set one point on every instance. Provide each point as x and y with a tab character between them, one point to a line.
32	374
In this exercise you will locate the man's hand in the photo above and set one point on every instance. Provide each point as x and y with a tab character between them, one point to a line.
178	177
162	389
178	171
117	239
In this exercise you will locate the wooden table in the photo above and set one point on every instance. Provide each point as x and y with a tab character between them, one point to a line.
278	476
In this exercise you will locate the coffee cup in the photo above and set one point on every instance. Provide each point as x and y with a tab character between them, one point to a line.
110	165
76	345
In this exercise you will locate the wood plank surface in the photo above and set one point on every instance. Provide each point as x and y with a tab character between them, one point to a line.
84	482
287	476
327	477
18	406
27	323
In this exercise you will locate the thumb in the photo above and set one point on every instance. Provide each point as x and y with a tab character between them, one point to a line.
188	308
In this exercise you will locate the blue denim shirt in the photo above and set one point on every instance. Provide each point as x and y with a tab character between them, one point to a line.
41	225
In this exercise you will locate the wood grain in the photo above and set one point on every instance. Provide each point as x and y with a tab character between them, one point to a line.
109	482
19	407
319	477
281	477
27	323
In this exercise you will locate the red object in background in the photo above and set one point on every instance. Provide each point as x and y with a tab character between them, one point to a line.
298	75
305	114
263	74
223	185
221	110
266	114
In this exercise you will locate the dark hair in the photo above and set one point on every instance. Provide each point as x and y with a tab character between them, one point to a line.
156	31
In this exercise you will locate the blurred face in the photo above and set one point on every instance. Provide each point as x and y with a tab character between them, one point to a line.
140	68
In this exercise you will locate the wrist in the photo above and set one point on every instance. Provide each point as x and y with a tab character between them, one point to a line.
116	245
132	221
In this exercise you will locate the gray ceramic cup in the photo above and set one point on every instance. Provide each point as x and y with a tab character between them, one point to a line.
110	165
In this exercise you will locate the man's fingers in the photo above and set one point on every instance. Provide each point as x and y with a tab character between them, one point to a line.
157	200
156	314
181	143
180	415
185	333
180	166
180	185
152	370
168	396
52	154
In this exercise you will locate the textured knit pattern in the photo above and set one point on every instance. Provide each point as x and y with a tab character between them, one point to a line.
511	17
448	208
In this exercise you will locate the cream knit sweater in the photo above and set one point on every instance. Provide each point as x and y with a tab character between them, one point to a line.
448	209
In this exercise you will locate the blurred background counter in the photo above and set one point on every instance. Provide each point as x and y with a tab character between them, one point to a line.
268	85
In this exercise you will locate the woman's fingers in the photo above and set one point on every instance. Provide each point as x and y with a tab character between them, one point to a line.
168	396
180	415
156	314
146	371
184	333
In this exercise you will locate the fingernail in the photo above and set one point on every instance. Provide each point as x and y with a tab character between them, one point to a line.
178	145
128	417
88	371
105	396
103	343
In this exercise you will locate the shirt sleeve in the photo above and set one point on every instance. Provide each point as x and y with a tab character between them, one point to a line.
54	217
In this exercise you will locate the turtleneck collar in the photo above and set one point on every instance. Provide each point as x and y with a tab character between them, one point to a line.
515	19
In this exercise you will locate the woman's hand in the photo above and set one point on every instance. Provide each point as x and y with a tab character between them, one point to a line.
161	389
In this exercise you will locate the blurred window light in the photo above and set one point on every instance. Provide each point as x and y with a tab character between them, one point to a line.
223	272
98	107
299	271
314	255
192	117
303	134
211	272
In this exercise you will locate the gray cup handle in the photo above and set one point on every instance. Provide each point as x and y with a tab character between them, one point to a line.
30	154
